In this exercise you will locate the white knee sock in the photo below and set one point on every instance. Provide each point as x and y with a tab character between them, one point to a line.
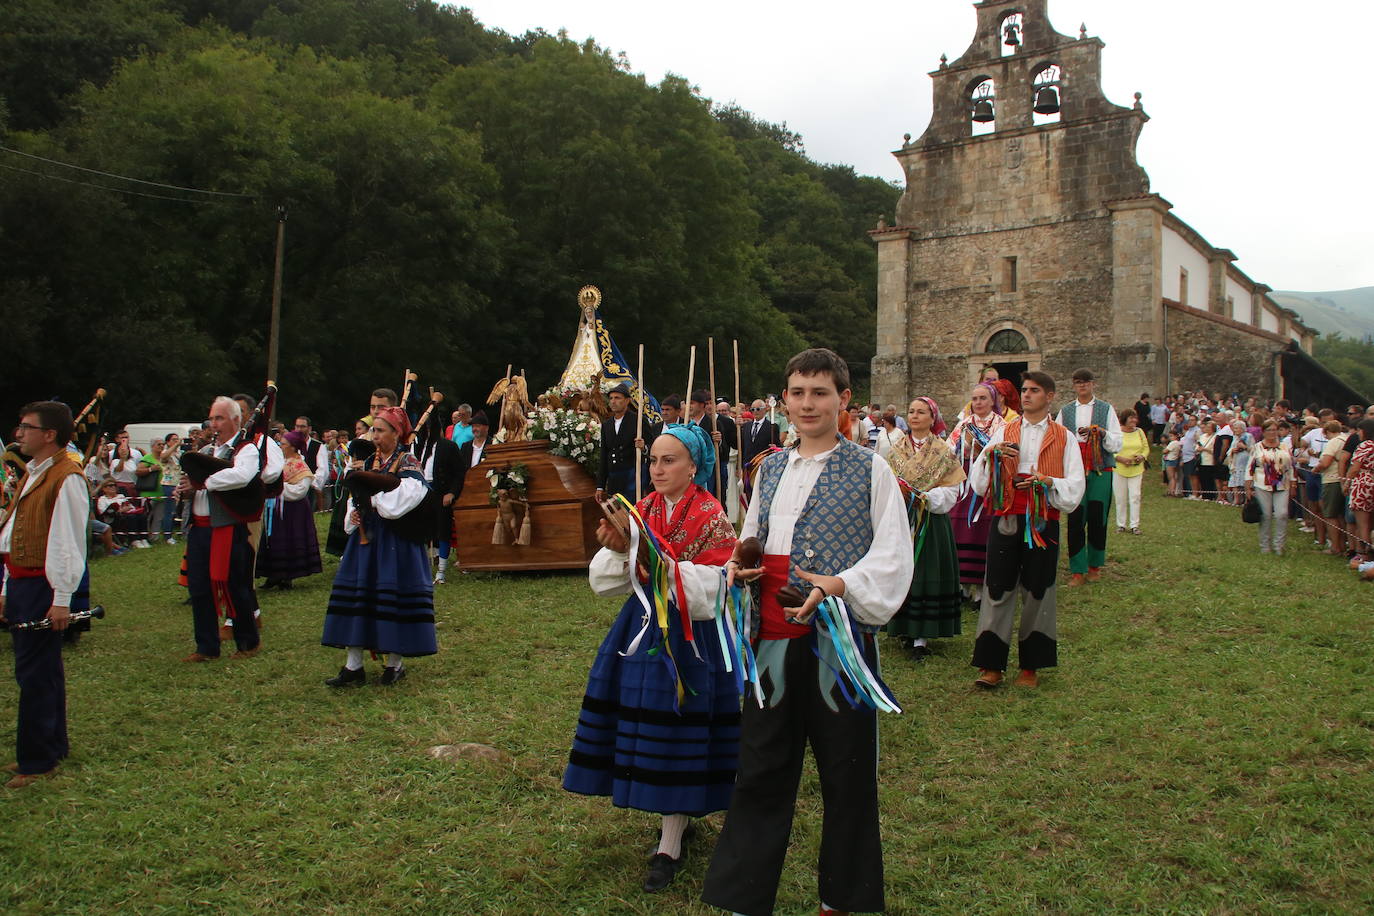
393	660
918	642
443	565
354	661
673	827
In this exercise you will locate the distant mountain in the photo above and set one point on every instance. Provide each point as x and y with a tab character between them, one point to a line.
1349	312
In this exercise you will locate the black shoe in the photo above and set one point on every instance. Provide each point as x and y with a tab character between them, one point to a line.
662	869
392	675
346	678
920	653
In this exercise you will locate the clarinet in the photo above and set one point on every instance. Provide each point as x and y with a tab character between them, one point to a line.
44	623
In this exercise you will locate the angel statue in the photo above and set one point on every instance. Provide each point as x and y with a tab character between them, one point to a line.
514	396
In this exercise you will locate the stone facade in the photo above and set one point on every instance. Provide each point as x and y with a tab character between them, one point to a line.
1048	231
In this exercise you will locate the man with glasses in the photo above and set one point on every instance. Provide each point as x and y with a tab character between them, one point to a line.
43	541
757	436
219	553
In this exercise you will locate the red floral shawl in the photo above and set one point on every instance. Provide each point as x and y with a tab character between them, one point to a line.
698	532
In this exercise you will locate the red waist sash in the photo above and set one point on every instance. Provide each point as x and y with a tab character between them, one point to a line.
23	572
773	623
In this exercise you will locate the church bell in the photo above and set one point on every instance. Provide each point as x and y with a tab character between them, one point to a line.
983	113
1013	33
1047	101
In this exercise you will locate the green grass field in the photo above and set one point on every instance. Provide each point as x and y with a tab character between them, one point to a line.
1205	747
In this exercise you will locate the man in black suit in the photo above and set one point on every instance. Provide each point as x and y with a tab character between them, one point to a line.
618	448
726	436
756	436
443	468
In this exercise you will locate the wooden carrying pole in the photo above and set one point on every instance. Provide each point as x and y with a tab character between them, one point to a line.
639	429
715	429
739	437
686	408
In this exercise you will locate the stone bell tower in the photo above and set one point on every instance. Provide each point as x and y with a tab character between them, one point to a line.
1026	236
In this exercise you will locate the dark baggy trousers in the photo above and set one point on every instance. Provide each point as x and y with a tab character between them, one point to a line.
1016	570
203	613
41	737
744	871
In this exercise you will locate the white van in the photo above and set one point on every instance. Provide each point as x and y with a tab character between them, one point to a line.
141	435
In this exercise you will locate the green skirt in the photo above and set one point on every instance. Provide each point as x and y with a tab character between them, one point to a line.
933	602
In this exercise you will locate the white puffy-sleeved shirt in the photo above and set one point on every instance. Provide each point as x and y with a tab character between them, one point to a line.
1083	418
245	468
391	504
66	550
1065	492
874	587
609	574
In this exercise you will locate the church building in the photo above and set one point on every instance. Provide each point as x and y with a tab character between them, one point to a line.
1028	238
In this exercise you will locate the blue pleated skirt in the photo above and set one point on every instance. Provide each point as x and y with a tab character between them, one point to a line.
632	745
383	596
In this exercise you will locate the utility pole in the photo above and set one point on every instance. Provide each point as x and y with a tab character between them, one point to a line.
274	334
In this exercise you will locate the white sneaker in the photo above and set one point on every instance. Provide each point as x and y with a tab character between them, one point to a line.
172	541
440	579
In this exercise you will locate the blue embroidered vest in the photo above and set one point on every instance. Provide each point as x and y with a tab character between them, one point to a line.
835	527
1101	412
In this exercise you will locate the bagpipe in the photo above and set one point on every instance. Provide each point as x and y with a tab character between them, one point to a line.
43	623
244	503
88	424
417	525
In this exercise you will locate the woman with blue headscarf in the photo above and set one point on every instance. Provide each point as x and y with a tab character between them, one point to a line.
633	741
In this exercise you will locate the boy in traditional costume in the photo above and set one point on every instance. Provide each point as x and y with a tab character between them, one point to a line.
659	728
930	477
1097	429
1030	472
832	522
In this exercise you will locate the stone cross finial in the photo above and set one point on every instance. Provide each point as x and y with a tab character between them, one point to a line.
1082	31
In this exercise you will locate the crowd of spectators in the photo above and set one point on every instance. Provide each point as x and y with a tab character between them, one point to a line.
1312	466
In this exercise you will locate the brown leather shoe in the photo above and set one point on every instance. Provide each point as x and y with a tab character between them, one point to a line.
22	780
1027	678
1075	580
197	657
226	633
1094	573
247	653
988	678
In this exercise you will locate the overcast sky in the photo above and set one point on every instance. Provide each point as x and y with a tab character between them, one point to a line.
1258	136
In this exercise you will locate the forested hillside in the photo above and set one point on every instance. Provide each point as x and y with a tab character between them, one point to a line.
448	189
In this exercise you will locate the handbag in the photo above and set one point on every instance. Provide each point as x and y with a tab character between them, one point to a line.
1251	513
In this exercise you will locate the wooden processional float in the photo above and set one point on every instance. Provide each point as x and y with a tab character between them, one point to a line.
552	525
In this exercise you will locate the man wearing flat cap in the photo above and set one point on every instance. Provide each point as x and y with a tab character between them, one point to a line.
616	473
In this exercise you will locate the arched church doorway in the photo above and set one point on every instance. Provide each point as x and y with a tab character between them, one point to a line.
1007	346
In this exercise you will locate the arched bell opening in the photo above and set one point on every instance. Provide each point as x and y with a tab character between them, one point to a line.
1012	32
1047	95
982	106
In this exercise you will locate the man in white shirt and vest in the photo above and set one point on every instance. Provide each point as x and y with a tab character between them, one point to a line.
1041	475
43	541
1097	429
